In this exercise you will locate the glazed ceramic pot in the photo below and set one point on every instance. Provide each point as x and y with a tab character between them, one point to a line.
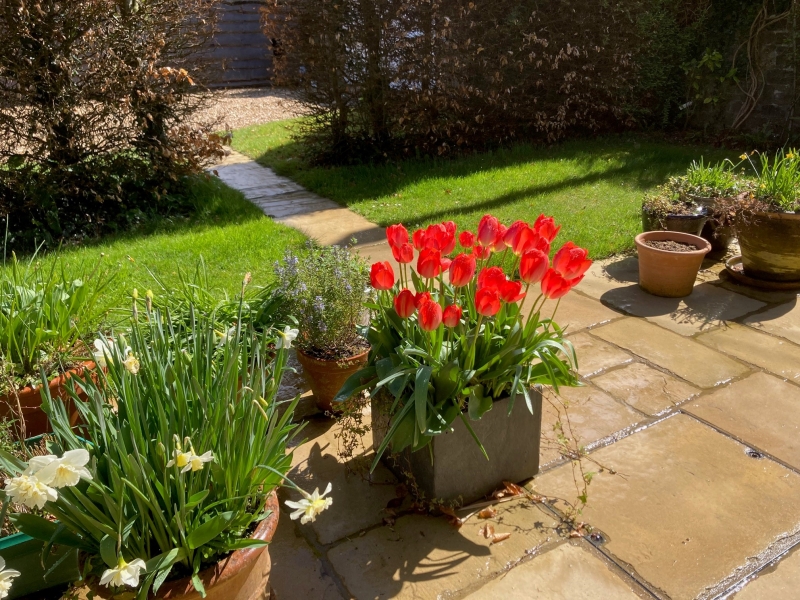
326	377
770	245
242	575
667	273
30	400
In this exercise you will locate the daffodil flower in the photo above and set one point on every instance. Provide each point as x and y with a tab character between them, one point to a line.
30	491
286	338
106	350
744	156
124	573
66	471
6	578
131	363
37	463
196	462
189	461
179	458
310	505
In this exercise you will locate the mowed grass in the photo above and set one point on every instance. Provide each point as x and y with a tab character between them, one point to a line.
231	235
594	188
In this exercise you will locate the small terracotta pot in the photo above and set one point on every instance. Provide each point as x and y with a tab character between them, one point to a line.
326	377
665	273
242	575
30	399
770	244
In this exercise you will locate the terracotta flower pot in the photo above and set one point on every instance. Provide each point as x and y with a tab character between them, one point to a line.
30	399
242	575
770	245
326	377
666	273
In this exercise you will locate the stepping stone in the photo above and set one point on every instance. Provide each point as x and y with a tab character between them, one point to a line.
570	572
771	353
779	582
685	358
645	388
782	320
689	507
595	355
762	411
421	557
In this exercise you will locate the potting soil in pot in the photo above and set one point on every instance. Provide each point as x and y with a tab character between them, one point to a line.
671	246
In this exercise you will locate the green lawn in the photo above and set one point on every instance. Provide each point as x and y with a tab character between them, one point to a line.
227	231
593	187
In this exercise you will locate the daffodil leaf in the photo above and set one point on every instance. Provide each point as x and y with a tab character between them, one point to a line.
108	551
209	530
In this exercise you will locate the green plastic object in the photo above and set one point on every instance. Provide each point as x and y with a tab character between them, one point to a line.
24	554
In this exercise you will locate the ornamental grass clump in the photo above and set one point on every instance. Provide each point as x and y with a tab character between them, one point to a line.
447	348
326	288
180	444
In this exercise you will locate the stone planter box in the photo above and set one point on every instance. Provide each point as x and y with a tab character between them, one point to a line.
459	471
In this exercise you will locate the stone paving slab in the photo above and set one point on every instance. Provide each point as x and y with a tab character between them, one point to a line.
762	411
776	582
427	558
645	388
684	357
575	311
595	355
336	226
782	320
568	572
771	353
689	507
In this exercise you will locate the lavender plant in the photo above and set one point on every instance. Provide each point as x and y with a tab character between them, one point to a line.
326	288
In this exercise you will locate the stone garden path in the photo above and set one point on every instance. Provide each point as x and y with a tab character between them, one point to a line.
693	404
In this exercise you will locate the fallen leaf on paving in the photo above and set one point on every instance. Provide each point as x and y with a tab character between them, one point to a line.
487	513
451	515
499	537
487	531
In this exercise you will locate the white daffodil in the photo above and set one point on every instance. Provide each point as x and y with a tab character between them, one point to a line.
67	470
180	459
28	490
6	578
311	505
124	573
105	350
286	338
37	463
196	462
131	363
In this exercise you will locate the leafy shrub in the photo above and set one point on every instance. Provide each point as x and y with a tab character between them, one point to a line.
94	97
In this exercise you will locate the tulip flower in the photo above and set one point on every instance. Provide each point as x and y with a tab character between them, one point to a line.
511	291
403	253
524	239
430	315
450	239
418	238
404	304
452	315
482	252
571	261
381	275
445	263
124	573
492	277
487	302
6	578
420	298
547	228
462	270
396	235
488	230
533	265
466	239
429	263
308	507
554	286
500	243
513	232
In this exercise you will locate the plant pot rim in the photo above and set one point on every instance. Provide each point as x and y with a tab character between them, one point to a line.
321	361
56	381
704	246
698	215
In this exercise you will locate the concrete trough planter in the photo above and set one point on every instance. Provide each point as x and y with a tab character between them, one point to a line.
459	471
770	244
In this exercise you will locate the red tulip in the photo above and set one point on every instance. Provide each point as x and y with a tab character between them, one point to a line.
429	263
500	243
492	278
533	265
466	239
482	252
397	235
512	291
452	315
420	298
487	302
446	262
571	261
513	231
547	228
381	275
554	286
419	239
462	270
404	304
430	315
488	229
450	239
403	253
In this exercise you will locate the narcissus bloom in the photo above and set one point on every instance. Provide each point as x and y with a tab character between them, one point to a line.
67	470
28	490
6	578
462	270
381	275
487	302
286	338
452	315
124	573
571	261
403	253
430	315
404	304
396	235
533	265
131	363
554	286
310	505
429	263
